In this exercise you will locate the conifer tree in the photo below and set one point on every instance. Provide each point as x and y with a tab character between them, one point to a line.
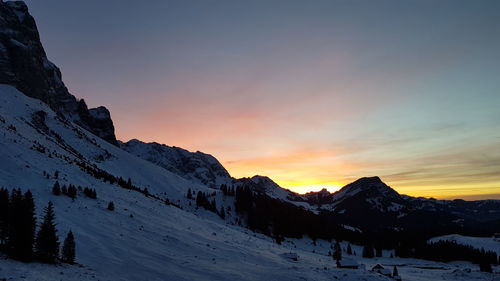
21	226
28	226
378	252
200	198
47	242
68	249
188	195
213	206
111	206
56	189
337	251
349	249
395	271
4	216
14	221
72	191
222	212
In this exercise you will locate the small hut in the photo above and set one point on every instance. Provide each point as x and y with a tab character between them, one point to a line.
382	270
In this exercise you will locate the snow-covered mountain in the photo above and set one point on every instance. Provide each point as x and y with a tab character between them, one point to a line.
194	166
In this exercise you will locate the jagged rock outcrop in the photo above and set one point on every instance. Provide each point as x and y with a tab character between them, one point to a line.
24	65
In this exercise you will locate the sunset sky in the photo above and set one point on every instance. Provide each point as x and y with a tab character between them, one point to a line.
312	94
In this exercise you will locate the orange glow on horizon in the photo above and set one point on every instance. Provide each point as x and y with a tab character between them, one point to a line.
309	186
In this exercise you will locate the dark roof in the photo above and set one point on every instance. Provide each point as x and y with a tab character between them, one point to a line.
378	266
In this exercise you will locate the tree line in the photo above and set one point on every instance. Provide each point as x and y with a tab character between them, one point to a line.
202	201
19	237
72	191
445	251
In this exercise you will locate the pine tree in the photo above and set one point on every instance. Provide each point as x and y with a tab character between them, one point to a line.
337	251
21	226
47	242
395	271
349	249
200	198
56	189
28	225
14	221
72	191
213	206
188	195
111	206
222	212
378	252
4	216
68	249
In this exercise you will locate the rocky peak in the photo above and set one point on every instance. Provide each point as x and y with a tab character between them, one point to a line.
24	65
319	197
195	166
370	186
263	184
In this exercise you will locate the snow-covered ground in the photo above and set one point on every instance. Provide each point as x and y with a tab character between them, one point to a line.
144	238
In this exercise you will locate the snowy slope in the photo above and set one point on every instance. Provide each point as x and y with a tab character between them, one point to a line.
487	243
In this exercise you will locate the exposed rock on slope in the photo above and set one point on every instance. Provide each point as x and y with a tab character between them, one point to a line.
195	166
24	64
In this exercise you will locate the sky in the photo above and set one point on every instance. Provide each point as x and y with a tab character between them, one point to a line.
313	94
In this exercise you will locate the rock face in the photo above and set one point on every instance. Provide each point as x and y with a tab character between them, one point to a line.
24	65
195	166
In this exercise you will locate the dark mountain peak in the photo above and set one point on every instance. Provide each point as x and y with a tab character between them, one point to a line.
24	65
319	197
266	185
368	181
371	185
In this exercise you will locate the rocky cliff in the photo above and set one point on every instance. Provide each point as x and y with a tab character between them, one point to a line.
24	64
